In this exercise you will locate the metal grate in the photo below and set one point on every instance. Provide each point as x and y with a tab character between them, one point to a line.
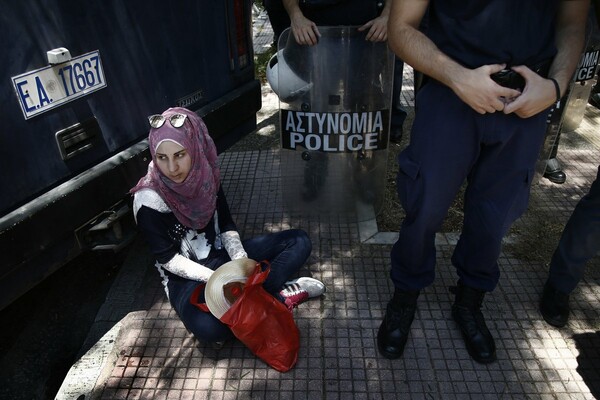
77	138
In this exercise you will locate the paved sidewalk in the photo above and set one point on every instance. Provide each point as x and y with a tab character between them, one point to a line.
140	350
262	31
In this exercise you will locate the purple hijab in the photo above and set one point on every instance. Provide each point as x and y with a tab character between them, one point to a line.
193	201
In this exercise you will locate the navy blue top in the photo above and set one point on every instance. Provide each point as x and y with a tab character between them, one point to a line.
164	233
340	12
480	32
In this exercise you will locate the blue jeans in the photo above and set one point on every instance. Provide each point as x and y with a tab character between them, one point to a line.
579	242
287	251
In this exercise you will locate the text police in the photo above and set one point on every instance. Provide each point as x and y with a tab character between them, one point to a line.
334	132
587	66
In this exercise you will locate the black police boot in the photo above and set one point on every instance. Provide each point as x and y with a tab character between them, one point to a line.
595	97
554	172
554	306
466	311
399	315
396	134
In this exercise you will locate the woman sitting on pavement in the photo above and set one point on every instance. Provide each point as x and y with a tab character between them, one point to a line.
181	210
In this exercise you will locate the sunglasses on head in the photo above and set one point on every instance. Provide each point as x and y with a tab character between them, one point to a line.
176	120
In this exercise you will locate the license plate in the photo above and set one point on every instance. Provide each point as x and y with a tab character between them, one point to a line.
52	86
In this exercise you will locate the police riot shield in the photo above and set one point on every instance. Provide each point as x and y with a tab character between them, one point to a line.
335	100
568	113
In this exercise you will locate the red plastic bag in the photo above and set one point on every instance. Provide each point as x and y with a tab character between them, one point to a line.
263	323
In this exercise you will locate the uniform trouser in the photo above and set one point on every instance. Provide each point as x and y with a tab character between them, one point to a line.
450	142
278	16
579	242
286	251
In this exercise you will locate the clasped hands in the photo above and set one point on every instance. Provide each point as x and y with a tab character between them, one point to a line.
476	88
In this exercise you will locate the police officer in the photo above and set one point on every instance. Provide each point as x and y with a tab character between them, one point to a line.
579	243
304	17
495	68
579	86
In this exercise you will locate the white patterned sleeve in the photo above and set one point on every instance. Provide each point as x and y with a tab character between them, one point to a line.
186	268
233	245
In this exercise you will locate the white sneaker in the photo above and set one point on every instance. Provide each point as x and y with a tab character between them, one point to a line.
299	290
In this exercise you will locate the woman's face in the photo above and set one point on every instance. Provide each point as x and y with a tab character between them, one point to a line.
173	161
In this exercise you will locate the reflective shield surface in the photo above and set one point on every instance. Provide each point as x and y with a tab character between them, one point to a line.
568	114
335	101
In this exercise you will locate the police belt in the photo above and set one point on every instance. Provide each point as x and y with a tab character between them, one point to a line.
513	80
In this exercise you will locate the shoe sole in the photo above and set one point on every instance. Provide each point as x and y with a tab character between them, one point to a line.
314	282
480	360
387	354
557	181
483	360
555	323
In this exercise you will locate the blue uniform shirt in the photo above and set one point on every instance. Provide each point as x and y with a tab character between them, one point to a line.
480	32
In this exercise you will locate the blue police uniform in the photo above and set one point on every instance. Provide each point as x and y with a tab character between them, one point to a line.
336	13
579	242
450	142
324	12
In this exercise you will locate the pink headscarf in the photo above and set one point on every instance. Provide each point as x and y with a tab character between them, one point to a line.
193	201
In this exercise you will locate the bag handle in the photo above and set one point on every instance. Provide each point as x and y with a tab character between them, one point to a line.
257	278
260	273
195	295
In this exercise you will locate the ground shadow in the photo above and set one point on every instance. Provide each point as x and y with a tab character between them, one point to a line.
588	360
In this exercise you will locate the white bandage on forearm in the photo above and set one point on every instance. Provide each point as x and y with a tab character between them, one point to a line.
186	268
233	245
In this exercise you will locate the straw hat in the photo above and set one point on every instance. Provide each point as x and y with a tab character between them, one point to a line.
232	271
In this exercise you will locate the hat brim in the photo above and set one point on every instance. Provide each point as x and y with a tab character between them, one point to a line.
232	271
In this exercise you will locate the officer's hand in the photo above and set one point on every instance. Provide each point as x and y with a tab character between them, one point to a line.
377	29
479	91
305	31
538	95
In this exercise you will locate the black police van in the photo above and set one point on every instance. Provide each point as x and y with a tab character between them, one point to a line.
79	79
